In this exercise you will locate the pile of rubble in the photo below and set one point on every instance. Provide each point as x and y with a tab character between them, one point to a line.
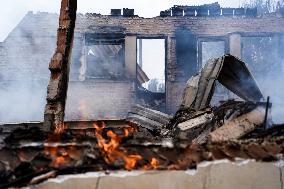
30	156
200	123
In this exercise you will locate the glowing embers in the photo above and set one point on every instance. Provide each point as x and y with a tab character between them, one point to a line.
106	147
153	164
113	153
61	153
63	156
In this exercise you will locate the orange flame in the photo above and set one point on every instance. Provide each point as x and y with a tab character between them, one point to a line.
110	149
59	161
153	164
62	156
59	156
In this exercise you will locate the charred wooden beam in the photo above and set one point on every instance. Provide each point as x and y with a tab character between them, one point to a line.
239	126
59	66
148	118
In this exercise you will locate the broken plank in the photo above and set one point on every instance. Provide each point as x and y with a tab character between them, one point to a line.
163	115
195	122
144	122
239	126
151	114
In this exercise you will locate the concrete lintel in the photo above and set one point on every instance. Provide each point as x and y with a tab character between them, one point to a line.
209	175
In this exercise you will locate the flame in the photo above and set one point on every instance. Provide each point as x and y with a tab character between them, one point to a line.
153	164
62	156
110	149
59	156
59	161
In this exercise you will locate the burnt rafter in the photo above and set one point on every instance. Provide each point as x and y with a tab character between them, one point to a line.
59	66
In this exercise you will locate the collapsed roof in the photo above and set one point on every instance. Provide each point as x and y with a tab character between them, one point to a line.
230	72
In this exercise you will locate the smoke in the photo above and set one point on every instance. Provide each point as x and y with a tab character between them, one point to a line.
83	68
12	12
22	101
273	87
9	17
24	76
265	59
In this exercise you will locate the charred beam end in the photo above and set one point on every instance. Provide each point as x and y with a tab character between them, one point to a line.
266	112
59	66
239	126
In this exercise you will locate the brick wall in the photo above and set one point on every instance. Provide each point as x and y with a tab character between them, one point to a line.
212	26
99	100
29	47
166	27
3	59
28	57
200	26
36	33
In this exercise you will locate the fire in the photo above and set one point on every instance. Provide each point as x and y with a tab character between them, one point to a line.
62	156
108	144
110	149
59	161
112	152
59	156
153	164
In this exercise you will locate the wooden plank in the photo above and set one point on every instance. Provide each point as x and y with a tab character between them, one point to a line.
239	126
164	115
190	92
196	122
151	114
144	122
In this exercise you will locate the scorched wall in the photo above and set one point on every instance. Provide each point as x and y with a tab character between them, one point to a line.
26	52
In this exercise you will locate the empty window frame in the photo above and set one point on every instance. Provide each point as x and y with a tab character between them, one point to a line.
104	58
151	63
263	54
151	90
104	61
210	48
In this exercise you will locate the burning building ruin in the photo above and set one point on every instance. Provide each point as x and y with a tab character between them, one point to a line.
105	61
178	122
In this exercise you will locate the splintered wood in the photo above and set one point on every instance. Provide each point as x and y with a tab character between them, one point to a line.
239	127
59	67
